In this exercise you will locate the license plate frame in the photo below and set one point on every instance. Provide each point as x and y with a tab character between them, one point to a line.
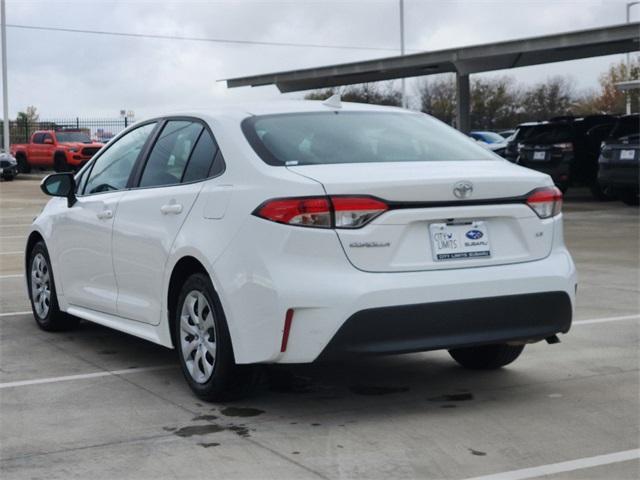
627	154
459	241
539	155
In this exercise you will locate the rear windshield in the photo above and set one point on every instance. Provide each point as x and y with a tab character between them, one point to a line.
81	137
357	137
549	133
626	127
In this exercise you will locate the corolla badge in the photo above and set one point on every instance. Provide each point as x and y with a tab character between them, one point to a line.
474	234
463	189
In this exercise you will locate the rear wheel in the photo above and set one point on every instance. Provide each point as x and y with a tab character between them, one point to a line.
42	293
204	345
630	197
601	192
23	165
60	162
486	357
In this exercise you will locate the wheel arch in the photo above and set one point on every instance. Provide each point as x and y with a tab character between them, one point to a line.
182	269
33	238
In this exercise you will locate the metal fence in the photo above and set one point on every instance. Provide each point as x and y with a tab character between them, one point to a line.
100	129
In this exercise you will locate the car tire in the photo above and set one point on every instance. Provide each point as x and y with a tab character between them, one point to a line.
7	178
42	293
203	344
486	357
23	165
630	198
60	163
601	192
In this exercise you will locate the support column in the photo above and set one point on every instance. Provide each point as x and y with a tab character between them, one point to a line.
463	103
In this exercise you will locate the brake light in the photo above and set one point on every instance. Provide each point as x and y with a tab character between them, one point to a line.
323	212
546	201
564	146
354	212
306	211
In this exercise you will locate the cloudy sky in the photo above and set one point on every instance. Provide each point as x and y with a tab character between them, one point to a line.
94	75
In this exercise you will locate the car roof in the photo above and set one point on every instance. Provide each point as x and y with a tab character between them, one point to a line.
281	106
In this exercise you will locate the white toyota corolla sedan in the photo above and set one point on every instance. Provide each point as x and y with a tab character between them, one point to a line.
296	231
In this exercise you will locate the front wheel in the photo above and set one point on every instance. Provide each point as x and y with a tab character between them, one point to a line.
486	357
204	344
42	293
60	163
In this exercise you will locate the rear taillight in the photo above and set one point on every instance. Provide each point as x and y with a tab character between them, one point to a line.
305	211
564	146
546	201
354	212
322	212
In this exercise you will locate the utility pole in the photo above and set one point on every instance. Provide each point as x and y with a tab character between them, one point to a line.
626	94
404	82
5	88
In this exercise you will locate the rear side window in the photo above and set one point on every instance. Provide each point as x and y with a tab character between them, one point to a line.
201	164
357	137
170	154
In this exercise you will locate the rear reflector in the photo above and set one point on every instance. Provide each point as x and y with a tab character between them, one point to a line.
323	212
546	201
288	318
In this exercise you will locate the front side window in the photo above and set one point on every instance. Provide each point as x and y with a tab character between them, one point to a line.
170	154
357	137
38	138
112	169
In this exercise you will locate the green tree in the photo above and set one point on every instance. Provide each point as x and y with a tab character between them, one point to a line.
30	115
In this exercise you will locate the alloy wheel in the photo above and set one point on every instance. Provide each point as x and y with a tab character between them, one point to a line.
41	285
198	336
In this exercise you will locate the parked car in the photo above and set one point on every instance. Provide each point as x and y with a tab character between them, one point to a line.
506	134
8	166
567	149
63	150
511	151
619	162
291	232
490	140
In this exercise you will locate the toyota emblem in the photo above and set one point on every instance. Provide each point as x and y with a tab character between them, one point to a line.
463	189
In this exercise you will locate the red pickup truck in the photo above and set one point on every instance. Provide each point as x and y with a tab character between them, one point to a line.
64	150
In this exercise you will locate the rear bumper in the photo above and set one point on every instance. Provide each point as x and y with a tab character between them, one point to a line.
451	324
619	176
559	171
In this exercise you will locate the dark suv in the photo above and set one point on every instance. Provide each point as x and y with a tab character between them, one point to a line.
566	148
620	159
522	130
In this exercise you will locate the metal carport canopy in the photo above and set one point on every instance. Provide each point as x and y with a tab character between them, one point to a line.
462	60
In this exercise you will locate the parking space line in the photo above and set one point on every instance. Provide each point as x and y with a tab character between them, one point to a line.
8	314
12	275
67	378
561	467
606	319
13	236
15	252
16	225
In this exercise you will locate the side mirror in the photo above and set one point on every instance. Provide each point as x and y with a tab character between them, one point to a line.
60	185
48	141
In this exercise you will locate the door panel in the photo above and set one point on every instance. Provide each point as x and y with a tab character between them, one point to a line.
83	239
146	226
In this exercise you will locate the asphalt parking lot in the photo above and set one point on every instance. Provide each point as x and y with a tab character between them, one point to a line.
95	403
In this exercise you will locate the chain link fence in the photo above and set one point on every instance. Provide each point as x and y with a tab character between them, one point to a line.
100	129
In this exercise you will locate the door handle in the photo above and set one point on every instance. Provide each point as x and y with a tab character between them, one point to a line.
174	208
105	215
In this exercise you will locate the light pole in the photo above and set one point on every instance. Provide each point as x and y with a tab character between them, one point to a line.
404	83
627	96
5	88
